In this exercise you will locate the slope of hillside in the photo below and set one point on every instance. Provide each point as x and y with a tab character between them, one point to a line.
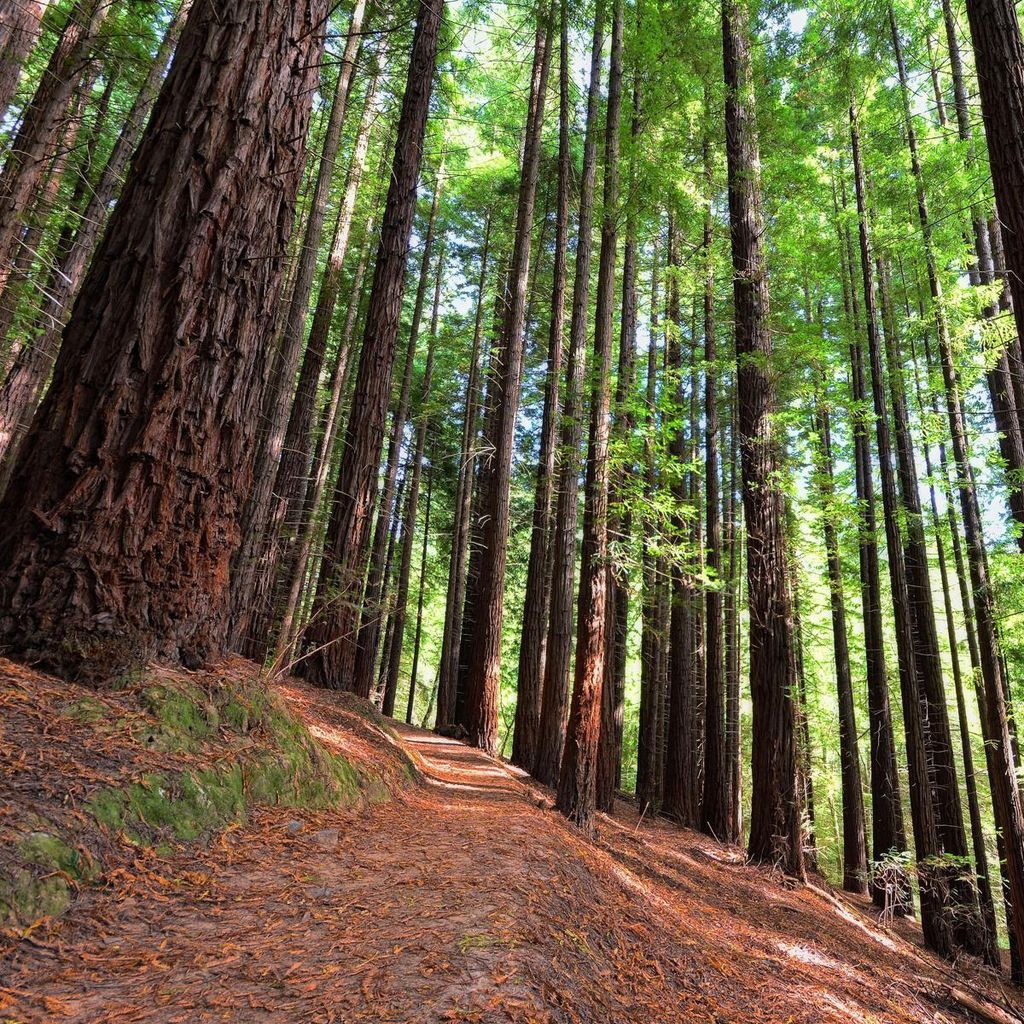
360	889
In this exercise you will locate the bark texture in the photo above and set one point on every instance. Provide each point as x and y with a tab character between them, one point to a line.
118	552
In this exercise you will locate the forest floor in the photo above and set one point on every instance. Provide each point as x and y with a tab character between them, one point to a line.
459	895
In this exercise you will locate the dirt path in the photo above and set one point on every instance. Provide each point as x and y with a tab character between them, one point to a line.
467	899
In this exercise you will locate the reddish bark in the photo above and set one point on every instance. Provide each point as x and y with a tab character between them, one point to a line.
118	552
21	21
484	678
775	823
41	126
555	694
577	780
536	606
334	618
22	388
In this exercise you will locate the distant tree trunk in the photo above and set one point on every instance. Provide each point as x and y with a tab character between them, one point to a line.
715	806
177	258
890	887
400	612
536	606
775	825
448	670
23	386
254	566
364	652
484	679
42	125
577	780
680	790
395	524
21	21
555	697
321	463
335	615
935	913
620	520
733	650
650	644
413	673
289	490
855	847
999	59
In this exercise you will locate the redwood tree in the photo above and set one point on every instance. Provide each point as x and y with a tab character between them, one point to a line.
348	538
775	821
122	511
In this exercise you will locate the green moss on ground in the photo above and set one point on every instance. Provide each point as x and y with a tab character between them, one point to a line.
260	754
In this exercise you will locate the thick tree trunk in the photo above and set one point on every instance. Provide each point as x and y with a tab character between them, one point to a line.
335	615
42	124
22	389
254	566
775	825
536	606
555	696
999	58
417	640
448	669
92	586
484	679
577	780
21	21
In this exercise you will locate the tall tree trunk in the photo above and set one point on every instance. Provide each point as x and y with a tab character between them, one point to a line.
536	606
484	678
23	386
253	569
335	616
42	124
855	847
293	470
169	324
715	806
733	651
555	694
775	824
577	780
620	520
448	669
21	21
680	791
999	59
417	640
890	886
400	612
650	645
364	652
968	930
935	912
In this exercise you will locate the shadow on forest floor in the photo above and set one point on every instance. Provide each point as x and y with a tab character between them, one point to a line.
463	897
